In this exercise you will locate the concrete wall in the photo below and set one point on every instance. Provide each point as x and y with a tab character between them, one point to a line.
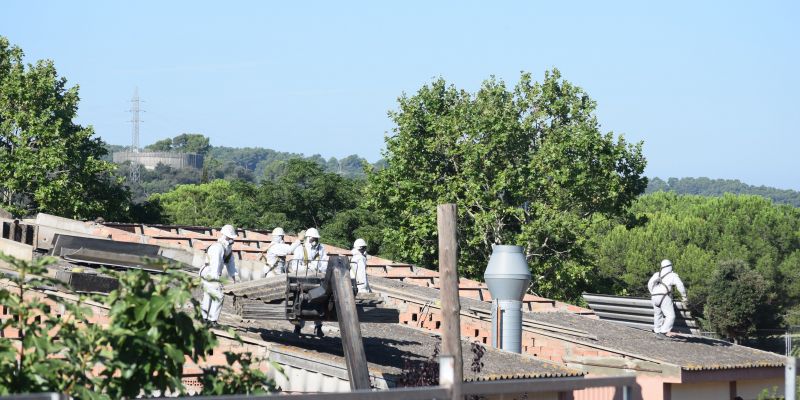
150	159
705	391
16	250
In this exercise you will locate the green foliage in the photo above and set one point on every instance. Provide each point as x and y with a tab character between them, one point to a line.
526	166
50	163
307	195
161	145
154	326
260	161
772	394
151	333
244	164
347	226
736	300
31	366
183	143
215	203
698	233
301	195
191	143
718	187
245	379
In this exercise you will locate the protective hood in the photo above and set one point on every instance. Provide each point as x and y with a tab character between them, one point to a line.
666	270
225	245
356	252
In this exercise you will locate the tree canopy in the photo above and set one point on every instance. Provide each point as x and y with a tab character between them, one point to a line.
49	163
527	165
183	143
300	195
699	233
737	300
718	187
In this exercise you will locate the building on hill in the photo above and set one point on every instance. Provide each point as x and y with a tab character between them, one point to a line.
150	159
559	340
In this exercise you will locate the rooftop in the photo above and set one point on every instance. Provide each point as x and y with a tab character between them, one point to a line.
552	331
388	346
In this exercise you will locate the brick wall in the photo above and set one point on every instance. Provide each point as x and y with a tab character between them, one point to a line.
429	317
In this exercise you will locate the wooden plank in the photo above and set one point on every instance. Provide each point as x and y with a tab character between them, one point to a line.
349	327
451	306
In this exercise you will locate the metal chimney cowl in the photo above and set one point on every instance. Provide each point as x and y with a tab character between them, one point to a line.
507	274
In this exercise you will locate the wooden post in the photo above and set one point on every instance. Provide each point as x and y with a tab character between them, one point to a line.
448	281
349	327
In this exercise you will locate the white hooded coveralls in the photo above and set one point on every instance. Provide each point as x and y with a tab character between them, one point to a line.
307	258
314	258
276	258
218	255
660	286
358	270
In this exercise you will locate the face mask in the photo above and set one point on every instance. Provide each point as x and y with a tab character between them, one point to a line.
312	241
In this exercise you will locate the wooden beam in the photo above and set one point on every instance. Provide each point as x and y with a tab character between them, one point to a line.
349	327
446	215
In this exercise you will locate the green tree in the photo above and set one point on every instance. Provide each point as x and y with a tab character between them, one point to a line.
215	203
161	145
347	226
526	166
191	143
736	300
308	196
697	233
49	163
153	328
300	195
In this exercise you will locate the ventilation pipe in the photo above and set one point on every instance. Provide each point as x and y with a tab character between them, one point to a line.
507	276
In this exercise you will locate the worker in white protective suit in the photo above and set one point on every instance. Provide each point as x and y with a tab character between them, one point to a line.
276	254
660	286
218	255
358	265
310	258
311	254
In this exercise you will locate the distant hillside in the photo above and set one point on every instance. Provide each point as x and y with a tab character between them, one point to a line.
250	164
259	160
256	161
718	187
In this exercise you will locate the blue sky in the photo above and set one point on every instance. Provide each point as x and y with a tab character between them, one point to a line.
711	88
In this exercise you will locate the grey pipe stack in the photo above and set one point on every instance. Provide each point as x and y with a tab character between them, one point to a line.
507	276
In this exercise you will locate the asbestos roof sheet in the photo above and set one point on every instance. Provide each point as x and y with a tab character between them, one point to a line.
388	346
686	351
